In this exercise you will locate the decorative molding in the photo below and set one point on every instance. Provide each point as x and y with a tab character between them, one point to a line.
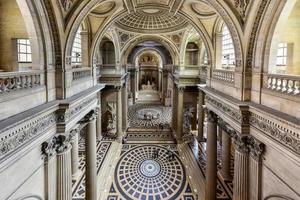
211	116
49	148
16	138
254	33
284	136
226	109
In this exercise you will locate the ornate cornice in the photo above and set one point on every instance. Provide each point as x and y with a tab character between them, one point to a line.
282	135
226	109
24	134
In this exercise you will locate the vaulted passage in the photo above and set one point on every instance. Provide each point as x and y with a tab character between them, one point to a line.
149	100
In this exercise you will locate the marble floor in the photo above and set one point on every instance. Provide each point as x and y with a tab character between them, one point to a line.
134	171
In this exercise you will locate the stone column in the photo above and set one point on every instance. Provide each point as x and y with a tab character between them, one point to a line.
119	112
124	107
211	157
256	151
240	180
90	160
200	116
180	113
135	85
99	118
49	153
226	155
64	170
74	154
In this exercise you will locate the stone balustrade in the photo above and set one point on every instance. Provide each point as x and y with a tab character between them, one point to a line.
14	81
224	75
80	73
287	84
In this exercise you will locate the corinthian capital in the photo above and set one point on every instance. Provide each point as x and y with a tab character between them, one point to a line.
256	148
241	143
63	143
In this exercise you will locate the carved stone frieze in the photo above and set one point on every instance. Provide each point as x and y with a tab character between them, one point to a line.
63	115
22	135
280	134
241	6
228	110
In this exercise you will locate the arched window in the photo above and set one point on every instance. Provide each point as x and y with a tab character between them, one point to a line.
228	54
108	51
76	49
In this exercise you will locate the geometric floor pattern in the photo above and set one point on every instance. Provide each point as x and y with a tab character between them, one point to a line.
78	188
224	189
139	175
164	115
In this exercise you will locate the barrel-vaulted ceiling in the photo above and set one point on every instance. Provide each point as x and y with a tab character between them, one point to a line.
168	18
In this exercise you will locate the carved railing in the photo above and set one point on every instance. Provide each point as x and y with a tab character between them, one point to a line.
80	73
15	81
224	75
286	84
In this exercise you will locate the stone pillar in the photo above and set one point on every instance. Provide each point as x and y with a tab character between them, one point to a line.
124	107
240	180
49	153
119	112
180	113
135	85
74	154
90	160
64	171
211	157
99	118
256	151
200	116
226	155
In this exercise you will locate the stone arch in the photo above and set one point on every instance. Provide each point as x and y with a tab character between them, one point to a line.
142	38
152	49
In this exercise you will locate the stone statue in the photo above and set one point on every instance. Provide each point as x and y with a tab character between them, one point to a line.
188	114
111	127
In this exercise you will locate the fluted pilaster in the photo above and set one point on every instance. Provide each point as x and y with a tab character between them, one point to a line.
49	153
240	182
90	153
211	157
256	151
64	171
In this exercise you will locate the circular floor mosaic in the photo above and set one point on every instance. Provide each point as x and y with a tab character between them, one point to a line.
160	114
140	176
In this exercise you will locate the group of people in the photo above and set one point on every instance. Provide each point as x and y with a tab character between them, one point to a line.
170	154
